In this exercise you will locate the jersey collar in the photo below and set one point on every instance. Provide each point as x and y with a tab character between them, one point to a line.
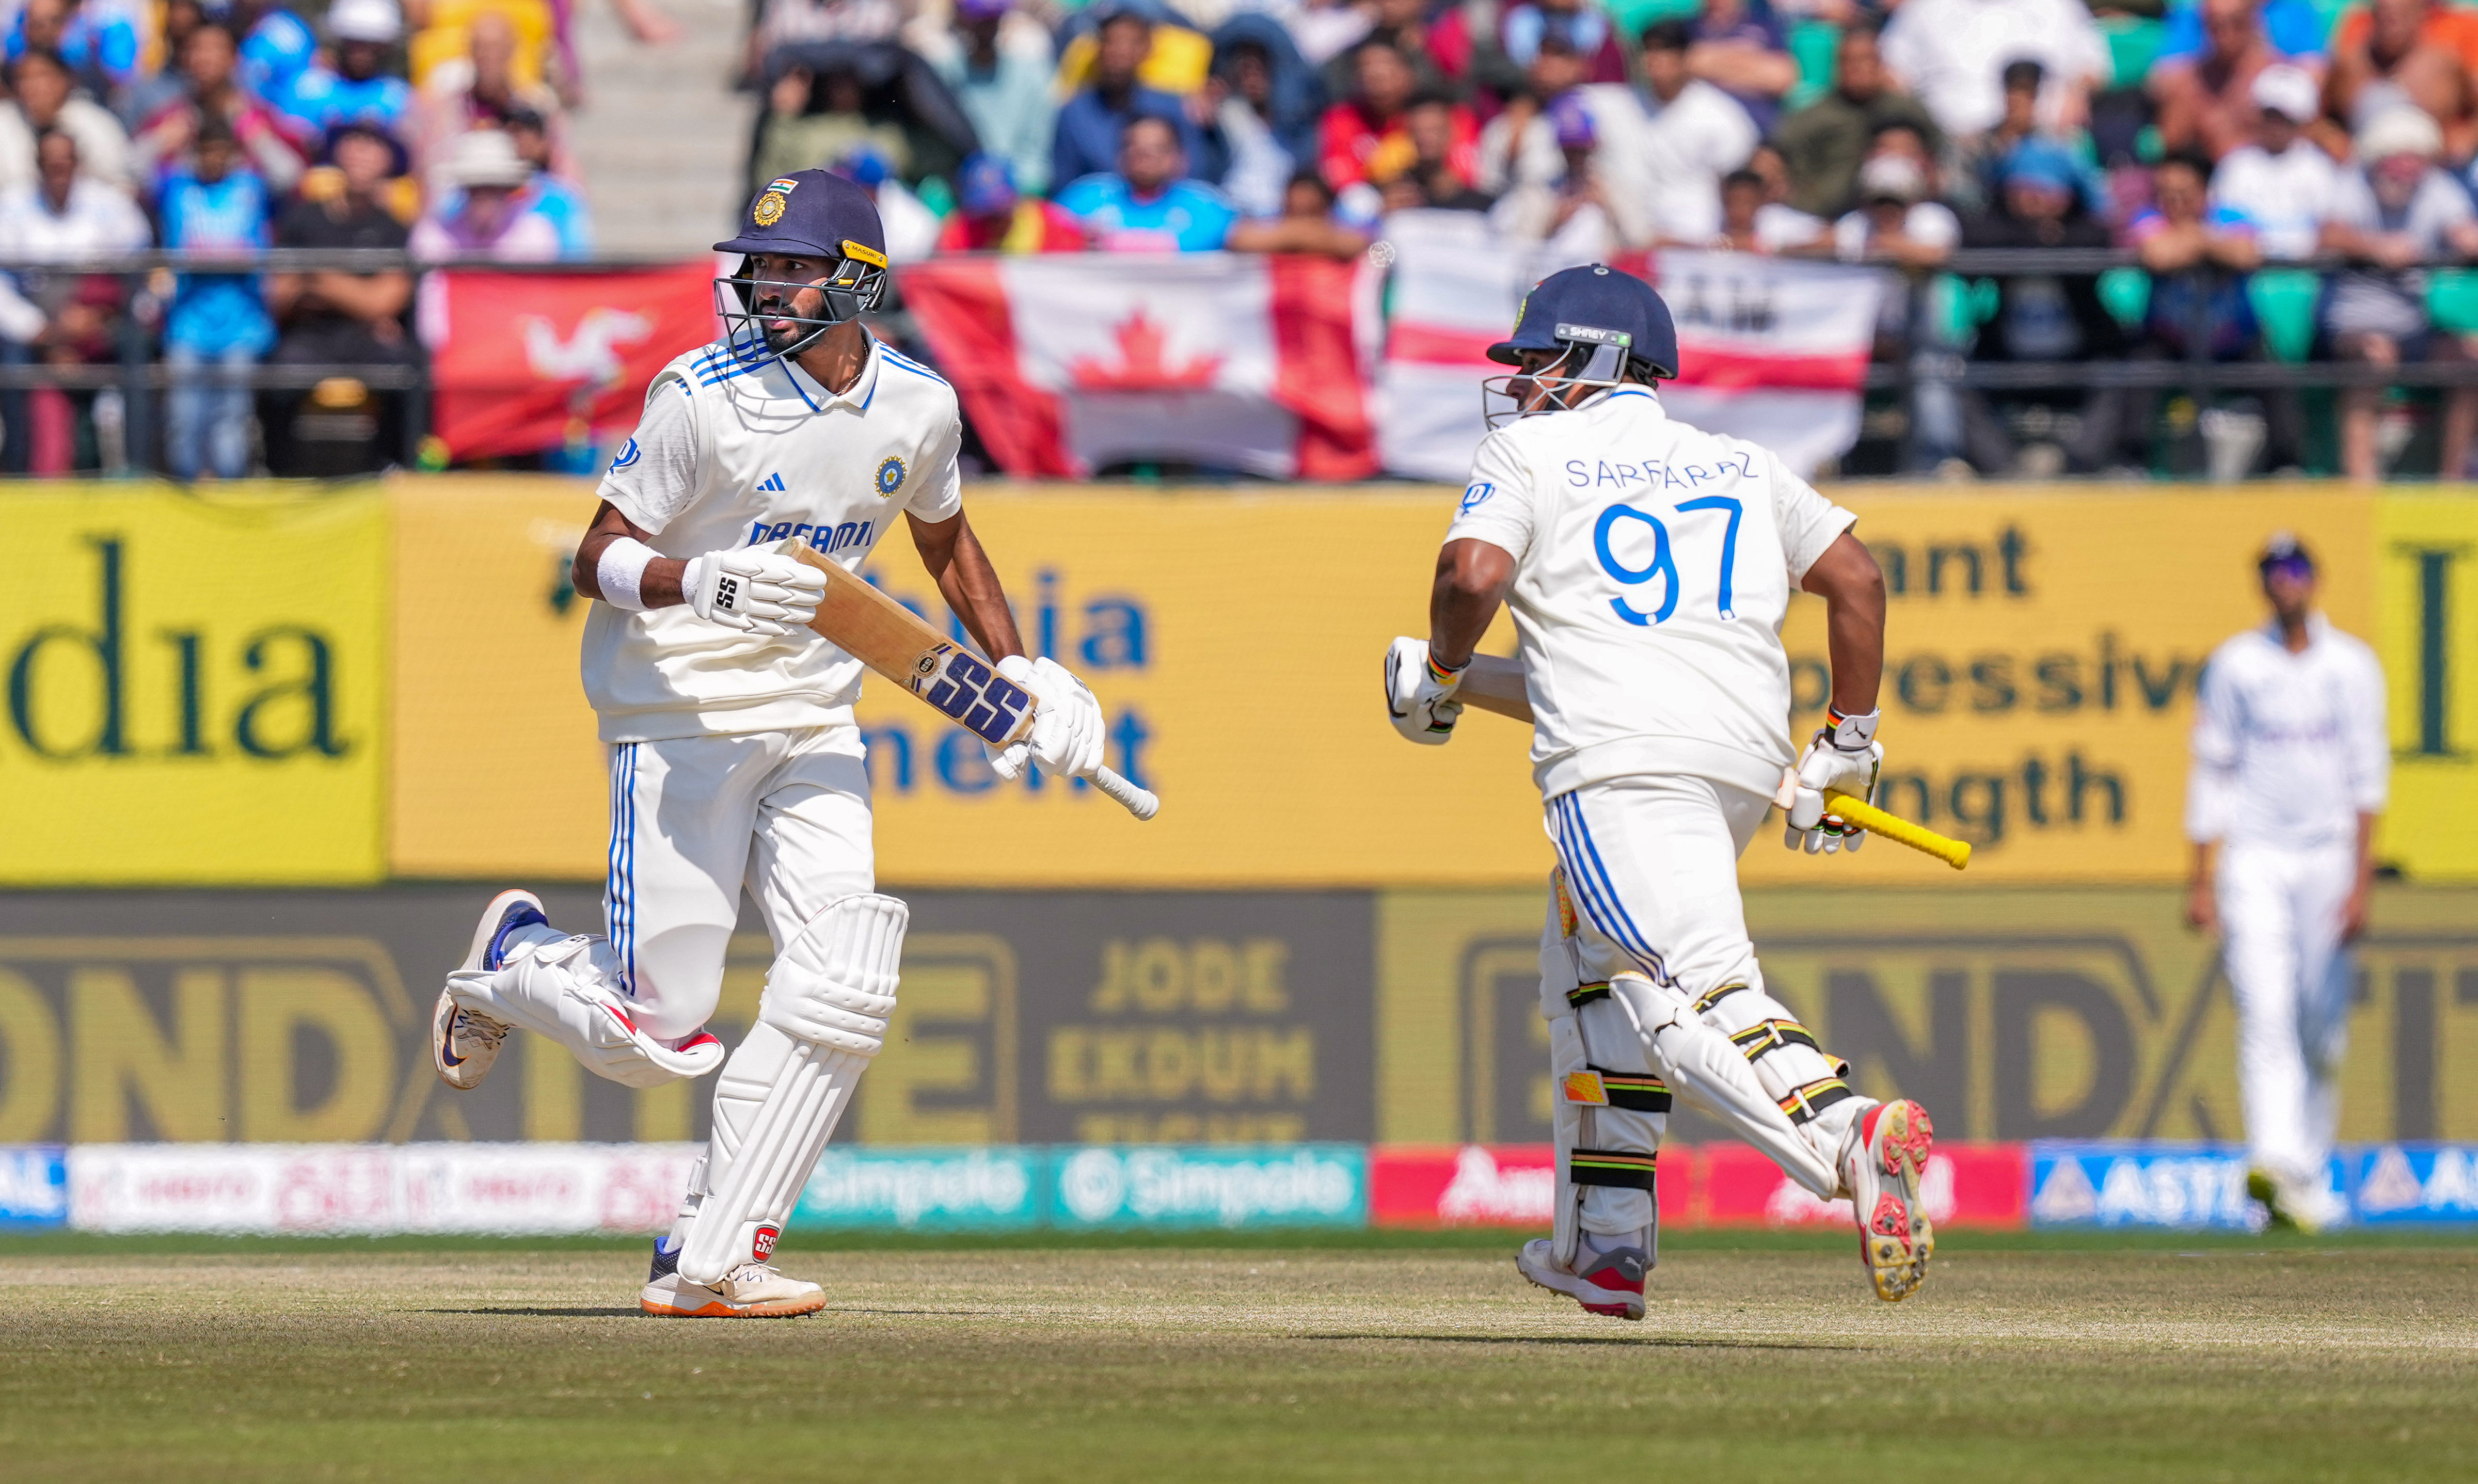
813	392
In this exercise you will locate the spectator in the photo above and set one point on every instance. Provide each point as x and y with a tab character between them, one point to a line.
2044	316
1824	143
2206	101
1494	59
1951	55
1520	144
210	57
1262	104
362	34
1403	25
1092	124
1580	210
1979	162
1783	227
147	92
1364	136
1895	222
997	61
1694	135
547	195
477	214
992	217
2391	52
1306	224
1438	177
2198	255
47	98
333	318
276	45
97	40
1742	198
1741	49
60	319
911	227
2394	212
821	117
2295	27
1148	205
480	91
213	209
2283	183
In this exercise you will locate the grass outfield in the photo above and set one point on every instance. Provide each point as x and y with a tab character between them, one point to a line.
1412	1358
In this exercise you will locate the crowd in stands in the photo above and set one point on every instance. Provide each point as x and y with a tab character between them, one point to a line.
2217	140
222	127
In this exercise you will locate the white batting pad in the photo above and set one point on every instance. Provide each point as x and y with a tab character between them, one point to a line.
1703	1067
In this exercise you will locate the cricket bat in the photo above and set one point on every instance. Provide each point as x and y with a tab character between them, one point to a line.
895	643
1496	685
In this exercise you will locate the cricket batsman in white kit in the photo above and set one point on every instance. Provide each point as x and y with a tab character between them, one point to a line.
734	757
2290	769
1649	567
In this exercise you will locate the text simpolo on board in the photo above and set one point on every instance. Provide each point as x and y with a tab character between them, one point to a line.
195	687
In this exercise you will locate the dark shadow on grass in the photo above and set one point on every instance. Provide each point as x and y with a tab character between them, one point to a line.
579	1312
1673	1341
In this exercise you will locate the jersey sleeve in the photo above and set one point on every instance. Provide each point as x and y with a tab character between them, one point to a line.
939	493
1807	521
2211	788
2370	749
657	474
1497	506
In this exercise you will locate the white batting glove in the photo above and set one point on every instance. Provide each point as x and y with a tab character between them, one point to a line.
1844	756
1419	697
754	591
1066	727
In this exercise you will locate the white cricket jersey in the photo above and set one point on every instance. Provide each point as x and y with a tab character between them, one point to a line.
738	453
1654	567
2288	748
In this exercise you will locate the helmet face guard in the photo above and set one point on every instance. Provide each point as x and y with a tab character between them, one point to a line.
1589	361
852	286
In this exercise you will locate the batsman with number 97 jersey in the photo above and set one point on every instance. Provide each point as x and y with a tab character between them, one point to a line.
1648	566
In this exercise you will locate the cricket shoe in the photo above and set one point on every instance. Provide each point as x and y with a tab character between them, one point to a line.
1883	1167
464	1043
2297	1204
1610	1283
751	1290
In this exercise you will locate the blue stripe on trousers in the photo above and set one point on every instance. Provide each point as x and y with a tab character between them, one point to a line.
1598	892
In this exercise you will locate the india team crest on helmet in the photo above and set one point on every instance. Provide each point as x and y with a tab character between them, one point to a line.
769	208
890	476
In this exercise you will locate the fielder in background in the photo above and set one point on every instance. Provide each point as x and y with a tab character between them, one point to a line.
1649	567
735	762
2291	768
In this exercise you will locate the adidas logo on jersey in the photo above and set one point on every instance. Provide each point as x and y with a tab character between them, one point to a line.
773	482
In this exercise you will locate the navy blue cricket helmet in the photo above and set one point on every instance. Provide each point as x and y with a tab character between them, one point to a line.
807	214
1593	306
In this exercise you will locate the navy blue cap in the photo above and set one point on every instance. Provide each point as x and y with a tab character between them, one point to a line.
811	213
1593	306
2284	550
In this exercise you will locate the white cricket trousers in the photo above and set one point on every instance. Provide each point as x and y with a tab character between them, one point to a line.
2289	973
695	820
1652	862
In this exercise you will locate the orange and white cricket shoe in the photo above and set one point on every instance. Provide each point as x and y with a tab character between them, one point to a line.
1883	1166
465	1042
751	1290
1606	1283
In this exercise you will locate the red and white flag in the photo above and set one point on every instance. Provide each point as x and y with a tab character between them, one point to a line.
1067	363
1770	349
522	361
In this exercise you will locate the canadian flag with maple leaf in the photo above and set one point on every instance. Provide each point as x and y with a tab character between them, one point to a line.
1770	349
1068	364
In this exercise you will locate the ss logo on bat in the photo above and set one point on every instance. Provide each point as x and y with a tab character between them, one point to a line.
984	702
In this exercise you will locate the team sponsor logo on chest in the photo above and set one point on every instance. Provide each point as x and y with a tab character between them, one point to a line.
822	536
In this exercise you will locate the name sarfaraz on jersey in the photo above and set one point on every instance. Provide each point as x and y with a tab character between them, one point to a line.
1655	476
820	538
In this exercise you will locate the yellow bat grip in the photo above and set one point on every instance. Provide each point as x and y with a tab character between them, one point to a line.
1955	854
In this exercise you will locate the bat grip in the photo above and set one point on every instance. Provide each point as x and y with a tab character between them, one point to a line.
1136	801
1955	854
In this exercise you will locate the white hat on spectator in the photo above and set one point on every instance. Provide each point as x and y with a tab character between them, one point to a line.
484	156
365	21
1892	178
2400	131
2291	92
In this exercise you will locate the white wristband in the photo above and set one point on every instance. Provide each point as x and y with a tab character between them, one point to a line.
621	573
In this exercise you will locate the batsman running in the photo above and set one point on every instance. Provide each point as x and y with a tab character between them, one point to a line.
734	757
1649	567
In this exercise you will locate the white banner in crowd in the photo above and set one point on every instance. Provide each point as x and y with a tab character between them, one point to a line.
1771	349
342	1189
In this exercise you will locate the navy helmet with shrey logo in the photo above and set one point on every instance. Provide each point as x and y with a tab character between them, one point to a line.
1601	323
807	214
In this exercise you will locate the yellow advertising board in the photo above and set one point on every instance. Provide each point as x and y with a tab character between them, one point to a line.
196	686
2044	651
2426	561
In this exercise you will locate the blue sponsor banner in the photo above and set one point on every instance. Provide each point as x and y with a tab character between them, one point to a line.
2399	1184
924	1189
33	1186
2181	1184
1290	1185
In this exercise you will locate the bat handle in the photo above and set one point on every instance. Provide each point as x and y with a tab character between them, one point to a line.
1137	801
1955	854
